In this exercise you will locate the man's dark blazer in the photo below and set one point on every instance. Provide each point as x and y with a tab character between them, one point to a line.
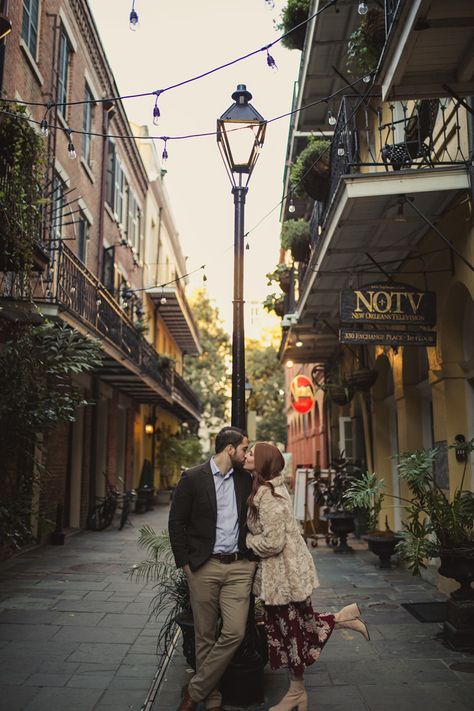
193	515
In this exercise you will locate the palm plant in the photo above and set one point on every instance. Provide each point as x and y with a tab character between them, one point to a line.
172	592
366	493
436	522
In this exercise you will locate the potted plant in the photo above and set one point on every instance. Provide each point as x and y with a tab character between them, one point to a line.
438	525
282	275
337	387
275	302
362	379
367	493
330	494
295	236
310	172
294	13
172	604
366	43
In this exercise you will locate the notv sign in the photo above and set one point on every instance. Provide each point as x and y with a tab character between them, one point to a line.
389	304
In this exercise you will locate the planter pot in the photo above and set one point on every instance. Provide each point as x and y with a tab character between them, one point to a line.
340	395
342	523
285	282
163	496
300	250
316	181
362	379
458	563
382	546
242	682
280	309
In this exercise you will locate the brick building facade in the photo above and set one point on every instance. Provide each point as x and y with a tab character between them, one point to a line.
106	224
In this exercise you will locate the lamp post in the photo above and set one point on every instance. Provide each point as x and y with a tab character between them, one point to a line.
240	137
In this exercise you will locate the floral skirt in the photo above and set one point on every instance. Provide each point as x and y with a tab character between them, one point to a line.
296	635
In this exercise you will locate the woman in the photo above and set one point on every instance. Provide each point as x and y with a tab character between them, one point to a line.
286	577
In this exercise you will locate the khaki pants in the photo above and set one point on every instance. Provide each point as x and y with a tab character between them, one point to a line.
217	587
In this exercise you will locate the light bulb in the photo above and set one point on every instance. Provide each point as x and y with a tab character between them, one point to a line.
289	364
164	155
299	344
156	115
270	4
331	118
44	127
291	207
71	151
366	79
340	150
247	246
271	62
163	300
363	8
98	302
133	20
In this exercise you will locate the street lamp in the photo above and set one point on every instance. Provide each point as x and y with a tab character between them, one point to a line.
240	137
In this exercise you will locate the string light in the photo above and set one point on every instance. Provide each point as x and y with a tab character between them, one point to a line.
270	4
366	78
71	151
247	246
44	127
164	155
331	118
363	8
271	62
156	108
340	149
291	206
133	18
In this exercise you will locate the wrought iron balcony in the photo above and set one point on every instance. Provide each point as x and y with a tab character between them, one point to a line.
370	137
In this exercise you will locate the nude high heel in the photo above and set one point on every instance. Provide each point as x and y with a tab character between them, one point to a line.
295	698
349	618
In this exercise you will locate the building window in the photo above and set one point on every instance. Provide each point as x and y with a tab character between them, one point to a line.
63	71
30	26
87	126
58	208
82	237
110	175
119	192
108	276
133	222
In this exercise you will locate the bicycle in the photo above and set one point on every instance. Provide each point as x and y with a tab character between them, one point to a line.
103	512
127	498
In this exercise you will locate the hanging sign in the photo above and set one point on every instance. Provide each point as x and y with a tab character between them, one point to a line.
371	336
394	304
302	394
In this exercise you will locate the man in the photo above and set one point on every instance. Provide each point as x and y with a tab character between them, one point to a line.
207	527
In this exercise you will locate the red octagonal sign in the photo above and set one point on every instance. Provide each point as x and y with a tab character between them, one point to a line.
302	394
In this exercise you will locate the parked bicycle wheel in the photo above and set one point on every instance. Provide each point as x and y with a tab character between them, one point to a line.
127	498
96	519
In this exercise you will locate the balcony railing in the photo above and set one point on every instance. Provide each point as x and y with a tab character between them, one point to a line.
398	136
72	287
186	392
391	7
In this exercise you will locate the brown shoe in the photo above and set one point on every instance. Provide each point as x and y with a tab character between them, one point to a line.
187	704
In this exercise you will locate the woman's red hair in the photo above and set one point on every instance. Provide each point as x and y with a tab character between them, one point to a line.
269	463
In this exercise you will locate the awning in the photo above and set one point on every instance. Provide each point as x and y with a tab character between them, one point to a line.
177	317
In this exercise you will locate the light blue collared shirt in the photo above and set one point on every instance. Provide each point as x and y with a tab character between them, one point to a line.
227	526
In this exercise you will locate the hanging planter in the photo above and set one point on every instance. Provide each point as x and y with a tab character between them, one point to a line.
339	394
362	379
276	303
294	13
310	172
366	43
281	275
295	236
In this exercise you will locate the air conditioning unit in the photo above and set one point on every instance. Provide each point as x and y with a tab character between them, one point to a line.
289	320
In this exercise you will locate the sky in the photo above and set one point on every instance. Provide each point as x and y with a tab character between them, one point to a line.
176	41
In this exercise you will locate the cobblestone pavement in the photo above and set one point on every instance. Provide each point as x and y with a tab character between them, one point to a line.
74	630
404	666
75	636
